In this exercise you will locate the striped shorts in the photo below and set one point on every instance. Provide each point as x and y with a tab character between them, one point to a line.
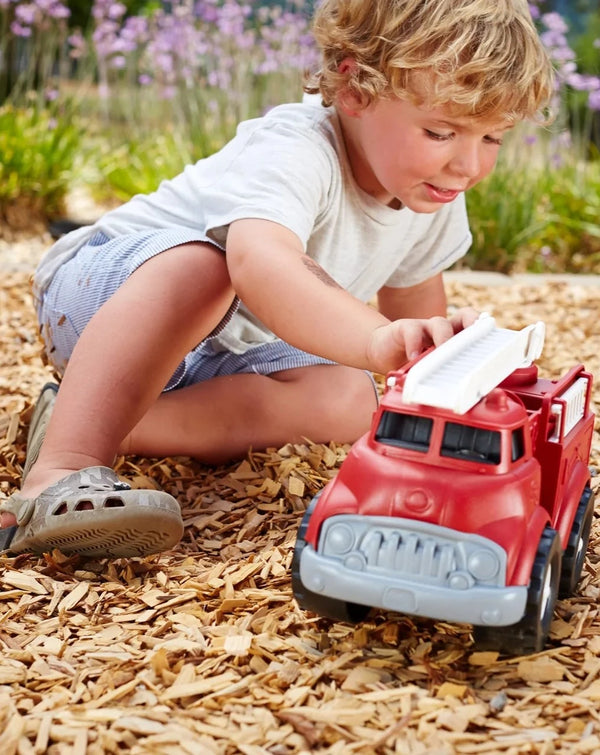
82	285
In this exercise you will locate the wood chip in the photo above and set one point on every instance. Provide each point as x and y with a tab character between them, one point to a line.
74	597
540	670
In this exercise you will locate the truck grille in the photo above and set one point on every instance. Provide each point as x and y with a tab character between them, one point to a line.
417	551
408	552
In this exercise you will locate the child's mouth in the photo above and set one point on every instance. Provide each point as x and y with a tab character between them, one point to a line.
438	194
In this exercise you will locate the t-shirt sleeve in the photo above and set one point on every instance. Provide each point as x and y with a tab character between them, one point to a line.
278	174
445	238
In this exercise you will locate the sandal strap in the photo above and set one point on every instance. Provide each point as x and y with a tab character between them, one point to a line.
87	481
39	422
20	507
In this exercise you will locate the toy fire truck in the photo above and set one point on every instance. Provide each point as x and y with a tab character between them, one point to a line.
468	501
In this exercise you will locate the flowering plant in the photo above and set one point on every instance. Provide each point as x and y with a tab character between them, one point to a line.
204	65
169	84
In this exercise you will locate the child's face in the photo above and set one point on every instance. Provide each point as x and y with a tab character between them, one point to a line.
421	157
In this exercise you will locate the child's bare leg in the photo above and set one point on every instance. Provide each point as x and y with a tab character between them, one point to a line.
221	418
126	355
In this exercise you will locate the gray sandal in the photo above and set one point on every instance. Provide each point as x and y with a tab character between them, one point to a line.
93	513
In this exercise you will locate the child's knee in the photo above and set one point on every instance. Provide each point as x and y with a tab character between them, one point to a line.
346	402
358	393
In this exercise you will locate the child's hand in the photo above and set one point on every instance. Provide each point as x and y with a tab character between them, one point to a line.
392	345
462	318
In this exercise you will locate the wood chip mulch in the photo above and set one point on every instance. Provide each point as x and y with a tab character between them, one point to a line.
203	649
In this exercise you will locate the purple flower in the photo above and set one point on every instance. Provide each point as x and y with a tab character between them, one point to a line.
555	22
168	92
206	11
78	45
563	54
20	31
594	100
108	9
135	29
583	82
57	10
116	10
25	14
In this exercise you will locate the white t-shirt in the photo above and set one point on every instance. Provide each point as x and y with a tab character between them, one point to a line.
290	167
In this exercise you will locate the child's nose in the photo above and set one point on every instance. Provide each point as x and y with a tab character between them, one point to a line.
466	163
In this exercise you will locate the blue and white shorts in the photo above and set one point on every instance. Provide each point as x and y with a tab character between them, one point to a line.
82	285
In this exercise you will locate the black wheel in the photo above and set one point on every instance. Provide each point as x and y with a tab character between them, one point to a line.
330	608
574	555
531	633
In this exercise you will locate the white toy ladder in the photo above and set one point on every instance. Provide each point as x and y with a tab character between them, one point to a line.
457	374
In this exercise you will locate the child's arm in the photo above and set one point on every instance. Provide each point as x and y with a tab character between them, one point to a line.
427	299
299	302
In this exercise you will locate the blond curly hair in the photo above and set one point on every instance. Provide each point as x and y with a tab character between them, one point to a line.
485	55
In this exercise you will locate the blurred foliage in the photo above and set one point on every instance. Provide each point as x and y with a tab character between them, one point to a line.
586	47
137	166
539	211
570	237
81	10
38	149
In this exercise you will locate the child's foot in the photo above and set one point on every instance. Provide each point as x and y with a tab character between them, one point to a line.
89	511
93	513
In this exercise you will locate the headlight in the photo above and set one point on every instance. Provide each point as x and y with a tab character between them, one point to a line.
339	539
483	565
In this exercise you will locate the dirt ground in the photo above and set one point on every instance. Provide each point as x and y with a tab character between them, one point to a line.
204	650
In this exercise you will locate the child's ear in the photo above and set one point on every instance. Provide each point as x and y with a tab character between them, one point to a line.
349	99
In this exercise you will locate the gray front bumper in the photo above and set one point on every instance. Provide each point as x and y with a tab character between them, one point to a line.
477	604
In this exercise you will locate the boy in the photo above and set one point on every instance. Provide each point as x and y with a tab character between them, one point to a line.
228	309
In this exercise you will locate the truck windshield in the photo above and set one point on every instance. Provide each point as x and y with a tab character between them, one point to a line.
404	430
471	443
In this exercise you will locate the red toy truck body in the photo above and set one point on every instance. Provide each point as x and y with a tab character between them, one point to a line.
480	517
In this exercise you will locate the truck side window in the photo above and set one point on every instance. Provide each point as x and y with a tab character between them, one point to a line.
404	430
471	443
517	444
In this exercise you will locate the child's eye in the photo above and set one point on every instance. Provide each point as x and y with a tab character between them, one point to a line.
494	140
438	137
